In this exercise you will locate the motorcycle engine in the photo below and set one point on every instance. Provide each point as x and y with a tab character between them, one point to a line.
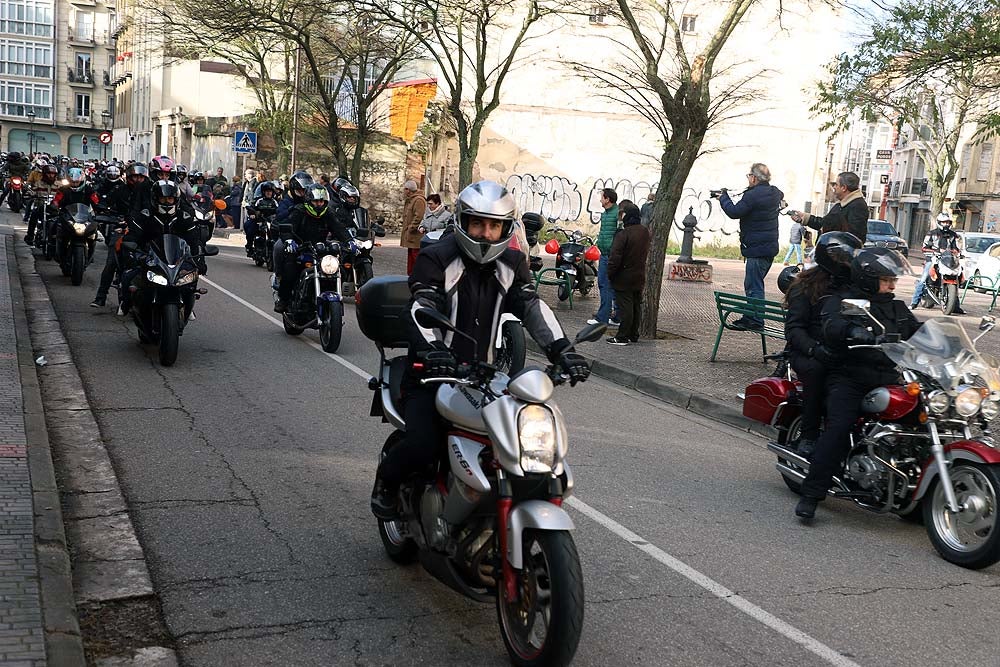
435	528
865	471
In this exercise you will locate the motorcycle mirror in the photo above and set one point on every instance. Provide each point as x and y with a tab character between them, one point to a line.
855	306
591	333
987	323
211	251
429	318
378	230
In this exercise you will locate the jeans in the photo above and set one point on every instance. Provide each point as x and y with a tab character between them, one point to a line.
918	292
607	309
753	280
797	249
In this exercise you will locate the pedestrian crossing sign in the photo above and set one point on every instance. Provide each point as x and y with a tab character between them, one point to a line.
245	142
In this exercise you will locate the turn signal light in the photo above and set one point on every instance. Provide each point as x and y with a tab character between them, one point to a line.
913	389
309	265
922	417
984	392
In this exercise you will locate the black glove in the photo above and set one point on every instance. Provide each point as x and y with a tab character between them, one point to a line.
825	355
857	335
575	366
439	361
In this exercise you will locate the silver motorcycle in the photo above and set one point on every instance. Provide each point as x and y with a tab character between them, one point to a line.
488	519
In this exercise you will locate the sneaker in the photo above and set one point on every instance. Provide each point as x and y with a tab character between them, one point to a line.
806	508
121	310
383	502
98	302
613	322
617	341
592	320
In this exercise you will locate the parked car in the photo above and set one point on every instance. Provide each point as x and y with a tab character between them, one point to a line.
883	235
987	263
976	246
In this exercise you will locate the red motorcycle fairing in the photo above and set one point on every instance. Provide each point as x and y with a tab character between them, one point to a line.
891	402
968	450
764	397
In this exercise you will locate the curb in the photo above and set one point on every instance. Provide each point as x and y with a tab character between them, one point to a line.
63	643
108	563
672	394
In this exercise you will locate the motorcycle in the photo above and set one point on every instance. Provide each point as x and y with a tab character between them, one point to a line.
265	235
163	287
913	453
76	239
487	520
941	288
576	261
45	231
316	300
358	269
15	200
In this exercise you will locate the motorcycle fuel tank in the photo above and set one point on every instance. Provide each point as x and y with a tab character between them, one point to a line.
462	407
763	397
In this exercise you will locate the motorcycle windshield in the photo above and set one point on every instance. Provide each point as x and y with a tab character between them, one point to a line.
943	351
949	261
78	213
174	249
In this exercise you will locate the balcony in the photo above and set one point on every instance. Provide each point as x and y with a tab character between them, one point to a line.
919	186
106	79
87	37
894	192
80	78
77	119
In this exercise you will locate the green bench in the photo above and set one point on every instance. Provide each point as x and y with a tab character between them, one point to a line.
738	305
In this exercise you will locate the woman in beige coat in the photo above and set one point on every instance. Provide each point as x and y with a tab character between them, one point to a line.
413	214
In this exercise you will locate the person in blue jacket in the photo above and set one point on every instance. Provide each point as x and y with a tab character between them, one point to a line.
757	211
297	186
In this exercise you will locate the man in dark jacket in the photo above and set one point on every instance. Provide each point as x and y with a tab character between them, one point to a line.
757	211
627	273
850	204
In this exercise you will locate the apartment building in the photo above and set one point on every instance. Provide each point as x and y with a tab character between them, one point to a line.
977	190
56	59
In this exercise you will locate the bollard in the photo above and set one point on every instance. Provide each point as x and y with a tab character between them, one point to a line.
687	268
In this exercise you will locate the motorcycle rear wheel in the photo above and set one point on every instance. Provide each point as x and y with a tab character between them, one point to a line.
364	274
970	538
790	437
15	201
400	549
550	587
509	358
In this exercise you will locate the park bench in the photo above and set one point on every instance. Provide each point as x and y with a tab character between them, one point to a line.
736	306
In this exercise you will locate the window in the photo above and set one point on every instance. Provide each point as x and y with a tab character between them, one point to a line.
26	17
83	106
82	65
688	22
598	14
985	162
25	58
17	98
111	105
963	171
85	26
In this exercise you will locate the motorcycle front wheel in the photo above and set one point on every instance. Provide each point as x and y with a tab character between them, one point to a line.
169	334
949	299
543	625
78	261
331	328
364	274
970	538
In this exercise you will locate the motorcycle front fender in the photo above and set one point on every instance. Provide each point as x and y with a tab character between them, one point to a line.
960	450
537	515
166	296
328	297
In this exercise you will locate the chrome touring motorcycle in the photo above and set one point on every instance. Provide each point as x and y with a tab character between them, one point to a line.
487	520
914	452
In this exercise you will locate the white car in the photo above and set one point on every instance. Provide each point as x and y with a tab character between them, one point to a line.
976	245
988	264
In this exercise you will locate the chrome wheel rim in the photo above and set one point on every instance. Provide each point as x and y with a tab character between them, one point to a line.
393	533
527	618
972	527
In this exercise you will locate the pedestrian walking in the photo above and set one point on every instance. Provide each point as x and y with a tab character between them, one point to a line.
646	212
414	206
794	243
605	237
627	273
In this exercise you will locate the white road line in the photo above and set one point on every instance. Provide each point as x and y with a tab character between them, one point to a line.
364	375
715	588
770	620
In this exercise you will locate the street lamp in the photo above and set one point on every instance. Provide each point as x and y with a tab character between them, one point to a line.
31	131
106	119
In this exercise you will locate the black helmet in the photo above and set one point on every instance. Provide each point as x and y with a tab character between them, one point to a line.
316	200
164	195
871	264
264	205
834	252
349	195
300	180
785	278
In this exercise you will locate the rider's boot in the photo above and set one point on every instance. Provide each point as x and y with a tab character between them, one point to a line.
384	501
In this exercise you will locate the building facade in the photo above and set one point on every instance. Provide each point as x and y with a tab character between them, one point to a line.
977	189
56	63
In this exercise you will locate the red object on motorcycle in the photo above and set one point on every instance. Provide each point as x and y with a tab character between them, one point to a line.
969	450
552	247
933	275
15	183
592	254
763	397
504	506
901	403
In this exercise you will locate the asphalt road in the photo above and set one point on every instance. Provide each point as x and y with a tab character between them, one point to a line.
247	467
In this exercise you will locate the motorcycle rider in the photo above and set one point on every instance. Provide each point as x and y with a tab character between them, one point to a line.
119	202
264	192
180	177
874	272
16	165
472	277
311	222
77	191
42	183
160	169
940	239
295	195
808	355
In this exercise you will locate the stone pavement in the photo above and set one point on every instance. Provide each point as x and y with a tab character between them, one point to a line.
22	635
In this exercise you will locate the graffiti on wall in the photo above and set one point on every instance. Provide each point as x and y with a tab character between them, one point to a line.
635	192
550	196
711	219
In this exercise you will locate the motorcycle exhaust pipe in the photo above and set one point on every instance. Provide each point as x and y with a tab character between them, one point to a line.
787	471
788	454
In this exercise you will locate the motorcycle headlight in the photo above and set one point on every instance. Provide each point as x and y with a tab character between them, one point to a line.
990	409
367	245
79	227
938	402
536	428
329	265
968	401
187	278
156	278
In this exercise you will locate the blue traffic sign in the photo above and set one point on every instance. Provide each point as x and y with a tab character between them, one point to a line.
245	142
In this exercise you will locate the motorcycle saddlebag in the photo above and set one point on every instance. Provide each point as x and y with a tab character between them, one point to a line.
763	397
383	305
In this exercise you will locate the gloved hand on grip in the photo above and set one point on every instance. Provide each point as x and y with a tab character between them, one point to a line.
575	366
291	247
825	355
439	361
858	335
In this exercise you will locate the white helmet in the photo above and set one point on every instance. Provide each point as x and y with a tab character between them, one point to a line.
944	218
490	200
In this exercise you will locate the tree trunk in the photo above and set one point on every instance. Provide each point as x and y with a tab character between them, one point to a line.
675	165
